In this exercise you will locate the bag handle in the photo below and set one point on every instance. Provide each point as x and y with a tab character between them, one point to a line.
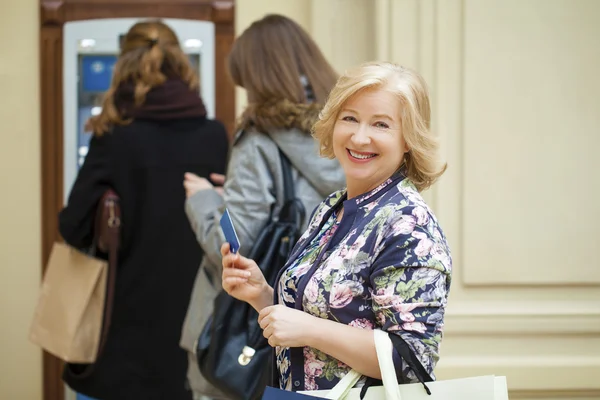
384	348
109	233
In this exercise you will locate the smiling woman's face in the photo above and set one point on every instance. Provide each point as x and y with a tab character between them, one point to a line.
367	139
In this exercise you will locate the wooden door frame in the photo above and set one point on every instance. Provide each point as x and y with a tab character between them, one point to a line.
53	15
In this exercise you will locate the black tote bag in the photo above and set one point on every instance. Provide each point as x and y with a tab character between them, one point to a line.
231	351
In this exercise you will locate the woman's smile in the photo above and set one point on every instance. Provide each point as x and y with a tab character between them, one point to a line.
360	156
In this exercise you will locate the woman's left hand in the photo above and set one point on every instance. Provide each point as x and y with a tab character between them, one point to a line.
193	184
286	327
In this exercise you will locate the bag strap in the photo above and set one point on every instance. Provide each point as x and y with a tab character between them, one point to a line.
289	193
384	348
411	359
342	388
384	345
113	226
292	210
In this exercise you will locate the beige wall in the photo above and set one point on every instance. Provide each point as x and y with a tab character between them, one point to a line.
20	362
514	87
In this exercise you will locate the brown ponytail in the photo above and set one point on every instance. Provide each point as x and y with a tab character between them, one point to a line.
150	55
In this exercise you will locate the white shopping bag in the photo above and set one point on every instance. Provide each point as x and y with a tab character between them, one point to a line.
474	388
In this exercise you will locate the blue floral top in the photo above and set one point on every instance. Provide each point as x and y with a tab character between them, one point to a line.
288	287
386	265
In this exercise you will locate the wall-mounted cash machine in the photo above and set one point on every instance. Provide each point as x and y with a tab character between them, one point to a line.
79	45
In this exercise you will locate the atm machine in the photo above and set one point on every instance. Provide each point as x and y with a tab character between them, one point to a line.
90	50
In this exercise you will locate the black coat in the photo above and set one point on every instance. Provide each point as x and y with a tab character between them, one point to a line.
145	162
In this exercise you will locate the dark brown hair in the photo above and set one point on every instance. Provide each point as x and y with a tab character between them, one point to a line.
269	59
150	53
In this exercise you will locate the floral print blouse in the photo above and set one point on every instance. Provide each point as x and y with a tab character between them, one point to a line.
288	287
386	265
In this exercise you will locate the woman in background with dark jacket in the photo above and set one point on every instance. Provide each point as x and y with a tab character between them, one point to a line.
152	129
287	80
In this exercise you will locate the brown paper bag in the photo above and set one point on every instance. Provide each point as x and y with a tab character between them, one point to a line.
68	317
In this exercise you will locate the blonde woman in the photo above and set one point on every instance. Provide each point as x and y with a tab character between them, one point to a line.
374	255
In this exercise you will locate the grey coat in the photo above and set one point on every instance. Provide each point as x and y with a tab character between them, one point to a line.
253	192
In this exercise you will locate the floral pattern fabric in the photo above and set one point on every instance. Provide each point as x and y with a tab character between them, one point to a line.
287	292
387	266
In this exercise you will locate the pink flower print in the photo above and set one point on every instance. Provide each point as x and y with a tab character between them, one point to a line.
414	327
327	235
371	206
301	269
334	264
405	310
355	248
343	292
405	226
313	367
362	323
424	245
419	235
312	291
421	214
309	383
384	296
438	252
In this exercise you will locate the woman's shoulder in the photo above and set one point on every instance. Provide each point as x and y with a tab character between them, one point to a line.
402	210
213	126
400	199
255	143
249	136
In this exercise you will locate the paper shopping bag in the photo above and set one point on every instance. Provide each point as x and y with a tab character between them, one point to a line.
68	319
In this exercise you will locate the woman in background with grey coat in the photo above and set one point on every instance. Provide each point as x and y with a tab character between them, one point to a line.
287	80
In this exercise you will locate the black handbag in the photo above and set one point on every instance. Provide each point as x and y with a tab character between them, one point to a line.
231	351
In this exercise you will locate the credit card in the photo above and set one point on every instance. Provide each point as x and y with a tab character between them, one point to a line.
229	232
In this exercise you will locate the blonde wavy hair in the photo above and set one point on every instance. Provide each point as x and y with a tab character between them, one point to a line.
423	162
150	54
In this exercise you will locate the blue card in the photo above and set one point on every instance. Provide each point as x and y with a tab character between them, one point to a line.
229	232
